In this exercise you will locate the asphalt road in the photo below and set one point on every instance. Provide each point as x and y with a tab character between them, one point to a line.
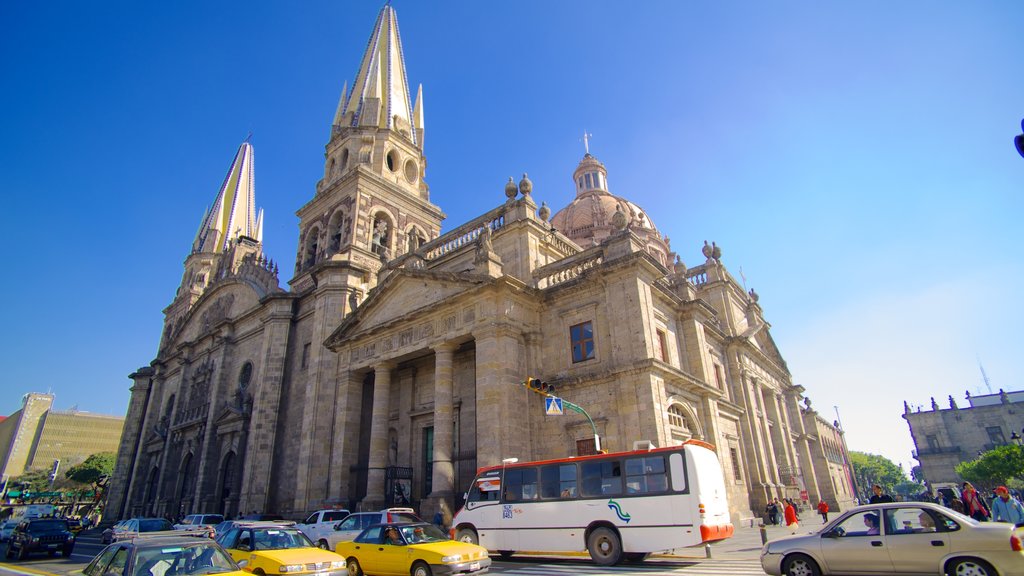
88	545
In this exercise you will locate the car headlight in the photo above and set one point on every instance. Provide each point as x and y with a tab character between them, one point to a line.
292	568
338	564
454	558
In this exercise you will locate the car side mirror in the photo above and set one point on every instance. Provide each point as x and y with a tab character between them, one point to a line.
337	526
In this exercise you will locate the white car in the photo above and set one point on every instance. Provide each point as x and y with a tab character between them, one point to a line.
899	538
195	521
355	523
320	523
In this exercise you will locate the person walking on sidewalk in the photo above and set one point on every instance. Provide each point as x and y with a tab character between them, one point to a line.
878	496
974	505
791	517
1006	508
823	510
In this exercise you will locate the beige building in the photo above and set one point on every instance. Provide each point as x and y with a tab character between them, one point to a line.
33	437
392	366
947	436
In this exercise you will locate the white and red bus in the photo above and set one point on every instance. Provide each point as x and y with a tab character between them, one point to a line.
620	506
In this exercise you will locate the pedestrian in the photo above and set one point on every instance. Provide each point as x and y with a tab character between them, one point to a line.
772	511
879	497
792	522
1006	508
974	504
779	508
823	510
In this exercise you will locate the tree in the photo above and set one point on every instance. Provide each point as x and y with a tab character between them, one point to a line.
1001	465
871	469
93	469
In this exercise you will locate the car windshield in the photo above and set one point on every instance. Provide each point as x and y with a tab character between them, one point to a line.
279	538
420	533
47	525
154	525
199	558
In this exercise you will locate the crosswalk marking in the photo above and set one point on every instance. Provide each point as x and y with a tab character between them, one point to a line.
705	568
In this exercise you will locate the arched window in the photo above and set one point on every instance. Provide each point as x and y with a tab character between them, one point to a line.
677	418
344	159
227	476
186	477
312	247
245	375
416	239
380	239
336	231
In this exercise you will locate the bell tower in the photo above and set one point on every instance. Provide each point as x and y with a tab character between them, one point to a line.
372	204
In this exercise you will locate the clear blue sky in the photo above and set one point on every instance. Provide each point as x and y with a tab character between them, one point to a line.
854	158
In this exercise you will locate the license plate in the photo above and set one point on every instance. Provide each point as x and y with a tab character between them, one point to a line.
474	566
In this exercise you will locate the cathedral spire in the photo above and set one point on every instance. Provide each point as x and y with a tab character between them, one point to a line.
380	93
233	214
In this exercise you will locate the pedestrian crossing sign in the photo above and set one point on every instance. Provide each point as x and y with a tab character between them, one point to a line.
552	406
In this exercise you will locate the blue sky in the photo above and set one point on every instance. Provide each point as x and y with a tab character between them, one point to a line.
854	158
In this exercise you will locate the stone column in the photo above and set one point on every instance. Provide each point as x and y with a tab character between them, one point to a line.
444	474
771	433
378	436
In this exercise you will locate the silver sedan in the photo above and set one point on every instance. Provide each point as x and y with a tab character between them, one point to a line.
899	538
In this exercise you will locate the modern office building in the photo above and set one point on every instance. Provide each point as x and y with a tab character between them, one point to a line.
35	436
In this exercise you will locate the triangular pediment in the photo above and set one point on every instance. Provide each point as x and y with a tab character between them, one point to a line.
403	295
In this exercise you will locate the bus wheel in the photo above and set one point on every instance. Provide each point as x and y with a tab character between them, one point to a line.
604	547
506	554
636	556
467	535
800	565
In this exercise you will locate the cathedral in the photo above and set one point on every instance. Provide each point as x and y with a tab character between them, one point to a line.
392	365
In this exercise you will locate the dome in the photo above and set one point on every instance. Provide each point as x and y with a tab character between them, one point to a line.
587	220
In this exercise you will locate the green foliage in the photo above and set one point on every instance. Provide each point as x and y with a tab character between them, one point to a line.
94	467
871	469
1001	465
908	489
33	481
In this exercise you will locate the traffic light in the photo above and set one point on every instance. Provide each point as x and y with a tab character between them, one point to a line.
539	386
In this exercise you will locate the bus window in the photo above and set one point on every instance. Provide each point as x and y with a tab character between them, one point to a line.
485	489
520	484
646	474
677	465
558	481
601	478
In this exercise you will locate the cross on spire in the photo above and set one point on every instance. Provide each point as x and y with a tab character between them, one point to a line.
586	141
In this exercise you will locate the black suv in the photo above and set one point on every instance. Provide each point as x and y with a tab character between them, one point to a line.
50	535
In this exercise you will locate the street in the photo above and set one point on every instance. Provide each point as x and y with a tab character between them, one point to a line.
737	556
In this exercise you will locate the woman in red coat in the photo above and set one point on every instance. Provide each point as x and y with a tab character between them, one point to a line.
791	517
823	510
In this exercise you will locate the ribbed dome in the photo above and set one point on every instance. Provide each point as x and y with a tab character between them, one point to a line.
587	220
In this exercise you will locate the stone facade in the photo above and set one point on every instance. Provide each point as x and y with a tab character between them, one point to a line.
946	436
396	358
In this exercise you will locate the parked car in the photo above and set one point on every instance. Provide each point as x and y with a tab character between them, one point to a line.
6	529
272	549
319	523
413	548
50	535
193	521
355	523
899	538
260	517
163	556
133	527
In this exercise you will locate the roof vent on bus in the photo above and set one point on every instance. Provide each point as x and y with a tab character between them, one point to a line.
643	445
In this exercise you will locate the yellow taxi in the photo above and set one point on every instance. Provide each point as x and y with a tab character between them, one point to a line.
411	548
274	548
